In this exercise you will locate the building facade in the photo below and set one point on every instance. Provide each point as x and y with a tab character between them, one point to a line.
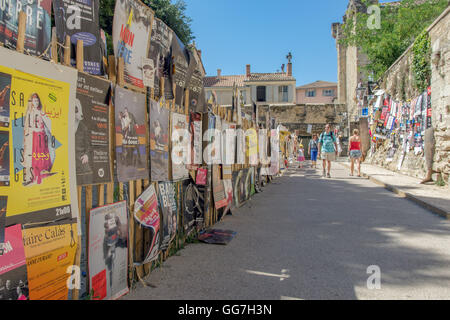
317	93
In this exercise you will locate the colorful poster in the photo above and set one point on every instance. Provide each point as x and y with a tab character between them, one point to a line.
5	92
13	266
159	142
92	109
49	251
168	205
131	126
228	187
42	184
38	25
108	251
4	159
220	198
131	37
161	53
79	19
180	146
3	204
147	214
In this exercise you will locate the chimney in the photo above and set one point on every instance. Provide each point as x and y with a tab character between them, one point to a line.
219	72
248	71
289	69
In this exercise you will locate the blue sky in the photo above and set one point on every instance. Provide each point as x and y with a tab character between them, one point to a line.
233	33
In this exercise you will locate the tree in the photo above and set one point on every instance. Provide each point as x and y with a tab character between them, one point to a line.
172	14
401	23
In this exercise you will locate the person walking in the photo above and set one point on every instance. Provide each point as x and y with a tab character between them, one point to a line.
327	149
313	150
301	156
354	150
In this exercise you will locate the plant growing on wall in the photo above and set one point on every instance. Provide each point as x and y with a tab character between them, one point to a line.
401	22
421	65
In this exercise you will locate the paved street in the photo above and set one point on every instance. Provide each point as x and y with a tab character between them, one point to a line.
306	237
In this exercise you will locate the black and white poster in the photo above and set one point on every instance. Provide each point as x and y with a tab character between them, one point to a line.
92	109
79	19
168	205
181	62
159	142
161	53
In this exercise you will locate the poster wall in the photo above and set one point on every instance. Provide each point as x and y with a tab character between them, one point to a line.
159	142
41	166
146	212
37	34
168	205
108	251
49	251
13	266
131	126
92	109
180	146
131	37
79	19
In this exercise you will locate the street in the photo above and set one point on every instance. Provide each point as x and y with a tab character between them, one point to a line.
306	237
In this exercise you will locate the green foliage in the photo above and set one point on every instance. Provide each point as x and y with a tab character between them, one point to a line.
172	14
421	65
400	25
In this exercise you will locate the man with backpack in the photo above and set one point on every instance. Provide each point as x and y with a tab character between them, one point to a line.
327	149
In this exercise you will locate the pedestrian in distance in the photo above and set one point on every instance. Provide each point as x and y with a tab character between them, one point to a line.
313	150
354	150
327	149
301	156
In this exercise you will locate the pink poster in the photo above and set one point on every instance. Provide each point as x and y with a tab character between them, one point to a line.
13	268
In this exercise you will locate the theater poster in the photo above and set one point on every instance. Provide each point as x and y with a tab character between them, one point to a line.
13	266
92	149
42	183
49	251
168	205
180	146
38	26
131	38
159	142
130	128
146	212
181	62
5	92
79	19
108	251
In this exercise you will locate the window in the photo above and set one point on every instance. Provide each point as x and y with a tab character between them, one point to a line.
261	94
310	93
283	93
243	94
328	93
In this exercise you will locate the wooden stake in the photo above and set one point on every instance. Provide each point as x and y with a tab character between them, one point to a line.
120	72
80	56
54	46
67	49
112	69
21	32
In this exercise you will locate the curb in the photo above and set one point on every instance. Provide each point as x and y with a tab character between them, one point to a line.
436	210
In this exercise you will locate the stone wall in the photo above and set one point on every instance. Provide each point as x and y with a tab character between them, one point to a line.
398	82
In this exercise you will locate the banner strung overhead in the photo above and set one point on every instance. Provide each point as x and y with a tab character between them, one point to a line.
131	127
147	214
131	37
40	160
108	251
92	109
168	205
38	25
159	142
79	19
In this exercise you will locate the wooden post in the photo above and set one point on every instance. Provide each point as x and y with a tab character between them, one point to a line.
67	46
80	56
88	206
112	69
120	72
21	32
54	46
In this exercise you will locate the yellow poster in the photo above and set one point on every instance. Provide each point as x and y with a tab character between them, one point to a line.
37	179
49	251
